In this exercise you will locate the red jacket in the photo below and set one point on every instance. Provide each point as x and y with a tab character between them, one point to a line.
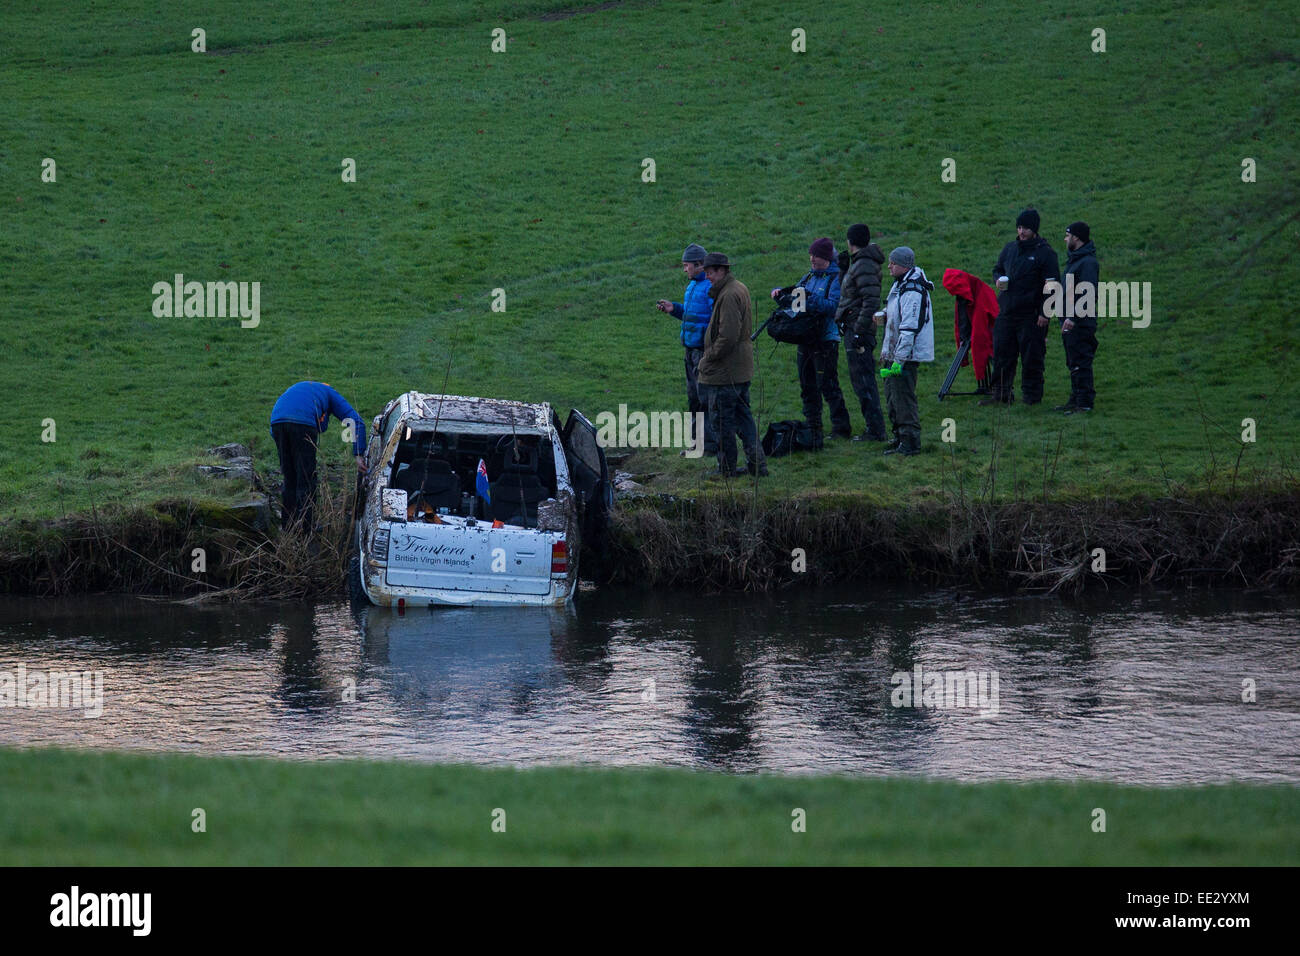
983	303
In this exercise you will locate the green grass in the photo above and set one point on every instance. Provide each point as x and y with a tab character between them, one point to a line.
73	808
522	171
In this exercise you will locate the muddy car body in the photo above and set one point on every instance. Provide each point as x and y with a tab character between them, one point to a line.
425	536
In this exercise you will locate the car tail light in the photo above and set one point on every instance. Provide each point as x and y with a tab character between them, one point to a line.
559	558
379	544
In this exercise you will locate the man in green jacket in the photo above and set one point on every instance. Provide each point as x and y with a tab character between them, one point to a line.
727	367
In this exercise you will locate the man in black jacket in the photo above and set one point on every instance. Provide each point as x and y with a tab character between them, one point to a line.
859	300
1020	332
1079	327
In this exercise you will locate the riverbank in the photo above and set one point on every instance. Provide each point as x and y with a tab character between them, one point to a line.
1248	539
727	539
141	810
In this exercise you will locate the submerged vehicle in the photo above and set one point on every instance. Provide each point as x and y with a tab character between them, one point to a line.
477	501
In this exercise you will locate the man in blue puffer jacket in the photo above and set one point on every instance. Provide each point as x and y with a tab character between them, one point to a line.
694	311
299	418
818	365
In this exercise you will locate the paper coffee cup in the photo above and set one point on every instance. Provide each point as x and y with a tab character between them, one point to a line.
879	317
1003	281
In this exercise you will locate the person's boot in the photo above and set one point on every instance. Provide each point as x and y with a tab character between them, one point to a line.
995	399
893	444
1067	407
762	469
906	448
867	436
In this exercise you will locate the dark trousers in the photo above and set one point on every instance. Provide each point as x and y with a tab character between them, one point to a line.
1080	346
297	447
904	411
1018	338
862	376
818	376
729	409
697	404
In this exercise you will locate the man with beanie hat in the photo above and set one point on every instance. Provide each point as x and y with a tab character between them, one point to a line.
909	340
1079	326
694	311
818	364
859	300
1020	331
727	367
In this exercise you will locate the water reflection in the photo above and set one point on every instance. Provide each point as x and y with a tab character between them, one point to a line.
1144	689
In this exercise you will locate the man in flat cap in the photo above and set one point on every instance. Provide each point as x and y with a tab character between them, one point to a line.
727	367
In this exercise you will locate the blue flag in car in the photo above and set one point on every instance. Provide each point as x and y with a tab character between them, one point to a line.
481	482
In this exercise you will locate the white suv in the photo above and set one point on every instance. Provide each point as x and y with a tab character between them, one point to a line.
426	534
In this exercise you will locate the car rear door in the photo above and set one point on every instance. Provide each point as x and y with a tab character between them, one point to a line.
589	473
478	558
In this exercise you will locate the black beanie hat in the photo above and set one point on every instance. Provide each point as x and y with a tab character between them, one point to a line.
859	235
1028	219
1079	230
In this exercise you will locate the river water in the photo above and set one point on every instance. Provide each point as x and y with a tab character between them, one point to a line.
1150	689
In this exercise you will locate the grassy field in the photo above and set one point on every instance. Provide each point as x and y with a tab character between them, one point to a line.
70	808
522	170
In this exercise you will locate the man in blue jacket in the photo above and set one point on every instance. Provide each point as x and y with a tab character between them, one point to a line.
299	418
818	365
694	311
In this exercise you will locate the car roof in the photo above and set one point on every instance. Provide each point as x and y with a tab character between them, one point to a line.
424	407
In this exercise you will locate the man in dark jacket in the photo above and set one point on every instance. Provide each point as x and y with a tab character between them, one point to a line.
727	367
818	364
1020	332
1079	326
859	300
299	418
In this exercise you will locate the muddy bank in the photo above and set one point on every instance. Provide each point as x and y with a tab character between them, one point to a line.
1248	540
172	547
1251	539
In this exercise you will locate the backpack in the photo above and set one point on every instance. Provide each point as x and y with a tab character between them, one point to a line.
923	288
796	328
782	438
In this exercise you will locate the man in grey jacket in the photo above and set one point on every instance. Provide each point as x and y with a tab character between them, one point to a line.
908	341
